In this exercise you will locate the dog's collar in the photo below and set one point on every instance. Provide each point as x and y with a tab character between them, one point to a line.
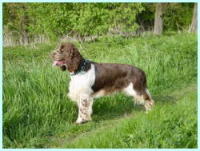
83	67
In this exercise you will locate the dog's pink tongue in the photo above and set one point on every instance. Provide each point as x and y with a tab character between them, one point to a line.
55	63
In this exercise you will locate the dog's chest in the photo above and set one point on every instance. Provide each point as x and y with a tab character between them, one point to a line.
81	84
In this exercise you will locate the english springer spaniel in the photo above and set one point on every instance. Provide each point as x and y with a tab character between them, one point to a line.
90	80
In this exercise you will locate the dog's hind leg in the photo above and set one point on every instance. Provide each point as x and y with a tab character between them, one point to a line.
141	96
84	109
149	102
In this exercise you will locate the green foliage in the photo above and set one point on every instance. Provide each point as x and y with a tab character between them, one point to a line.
36	109
145	19
86	19
178	16
81	19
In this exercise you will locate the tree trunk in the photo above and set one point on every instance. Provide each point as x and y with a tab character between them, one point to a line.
158	21
193	26
24	26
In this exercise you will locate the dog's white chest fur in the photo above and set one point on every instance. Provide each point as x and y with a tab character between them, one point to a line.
80	84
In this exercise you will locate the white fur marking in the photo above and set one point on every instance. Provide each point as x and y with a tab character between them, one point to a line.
80	84
99	94
129	90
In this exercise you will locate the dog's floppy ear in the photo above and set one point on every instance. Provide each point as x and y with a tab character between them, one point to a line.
74	58
69	49
73	51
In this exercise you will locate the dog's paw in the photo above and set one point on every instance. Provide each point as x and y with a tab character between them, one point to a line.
81	121
148	105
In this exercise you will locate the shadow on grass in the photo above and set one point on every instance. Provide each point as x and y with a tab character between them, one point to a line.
165	99
112	107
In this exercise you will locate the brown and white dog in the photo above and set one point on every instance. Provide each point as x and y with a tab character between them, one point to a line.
90	80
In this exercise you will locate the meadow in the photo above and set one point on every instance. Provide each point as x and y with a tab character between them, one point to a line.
38	114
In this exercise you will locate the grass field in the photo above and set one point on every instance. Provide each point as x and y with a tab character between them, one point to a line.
38	114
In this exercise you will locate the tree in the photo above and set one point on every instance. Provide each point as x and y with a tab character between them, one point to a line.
158	21
193	26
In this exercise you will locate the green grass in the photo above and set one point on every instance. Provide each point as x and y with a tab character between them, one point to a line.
37	112
167	126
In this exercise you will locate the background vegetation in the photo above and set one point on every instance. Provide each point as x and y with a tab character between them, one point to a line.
41	22
36	110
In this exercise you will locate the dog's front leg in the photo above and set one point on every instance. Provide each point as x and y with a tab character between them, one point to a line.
84	109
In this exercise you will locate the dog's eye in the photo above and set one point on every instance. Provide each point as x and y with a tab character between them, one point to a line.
62	48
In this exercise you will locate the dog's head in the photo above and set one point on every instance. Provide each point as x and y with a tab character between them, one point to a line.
67	57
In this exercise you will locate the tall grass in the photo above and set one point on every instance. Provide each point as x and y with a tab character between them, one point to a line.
167	126
35	104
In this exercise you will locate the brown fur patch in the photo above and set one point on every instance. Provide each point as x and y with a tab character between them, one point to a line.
114	77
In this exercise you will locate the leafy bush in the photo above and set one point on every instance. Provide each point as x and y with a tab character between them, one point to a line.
54	20
81	19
